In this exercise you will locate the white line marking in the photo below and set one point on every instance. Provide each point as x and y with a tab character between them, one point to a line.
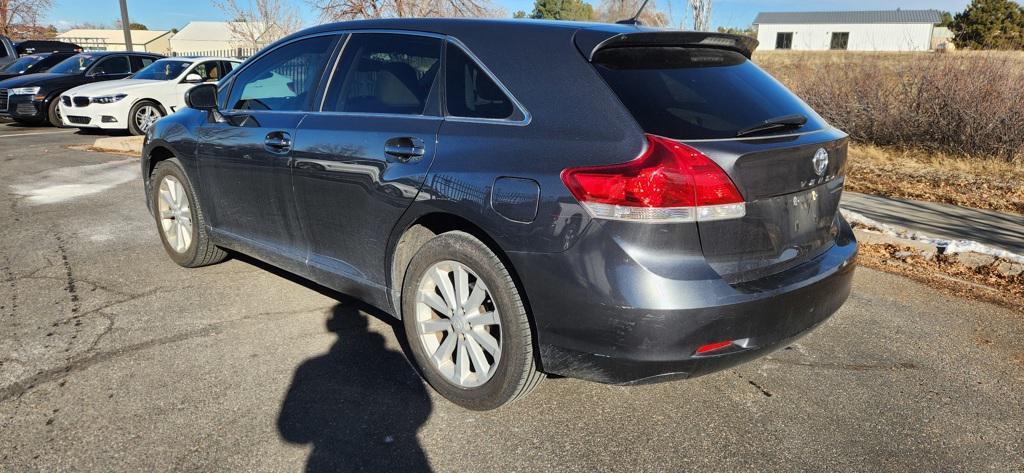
30	134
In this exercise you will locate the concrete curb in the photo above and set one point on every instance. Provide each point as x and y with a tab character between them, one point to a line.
120	144
929	251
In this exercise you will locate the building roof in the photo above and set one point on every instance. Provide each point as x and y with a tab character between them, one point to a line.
112	36
210	31
849	17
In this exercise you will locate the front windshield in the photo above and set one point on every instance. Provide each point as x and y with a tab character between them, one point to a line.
22	64
164	69
76	64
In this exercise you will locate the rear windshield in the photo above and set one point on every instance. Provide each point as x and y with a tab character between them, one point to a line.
691	94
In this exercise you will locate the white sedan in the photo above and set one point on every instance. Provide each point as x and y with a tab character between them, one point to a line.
139	101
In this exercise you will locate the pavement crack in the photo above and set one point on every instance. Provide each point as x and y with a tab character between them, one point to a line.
903	366
19	388
760	388
12	284
70	285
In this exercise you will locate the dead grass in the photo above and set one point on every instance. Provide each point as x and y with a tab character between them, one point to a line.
964	104
982	284
936	177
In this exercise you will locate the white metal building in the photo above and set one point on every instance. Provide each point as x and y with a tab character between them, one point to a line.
113	40
889	30
209	36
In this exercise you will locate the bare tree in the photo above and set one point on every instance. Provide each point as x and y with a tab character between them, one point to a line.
701	14
257	23
338	10
21	15
616	10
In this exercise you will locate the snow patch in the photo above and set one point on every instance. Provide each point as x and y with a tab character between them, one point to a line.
63	184
947	246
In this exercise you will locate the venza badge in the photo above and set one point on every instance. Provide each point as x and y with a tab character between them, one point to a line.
820	161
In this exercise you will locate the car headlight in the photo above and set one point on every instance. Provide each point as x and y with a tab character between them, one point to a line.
108	98
23	91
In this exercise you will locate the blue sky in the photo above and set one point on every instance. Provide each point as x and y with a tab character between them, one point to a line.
161	14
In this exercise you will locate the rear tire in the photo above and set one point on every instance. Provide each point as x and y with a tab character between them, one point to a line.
179	218
489	330
53	114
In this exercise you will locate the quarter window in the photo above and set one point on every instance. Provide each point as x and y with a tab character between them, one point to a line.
386	73
470	92
284	79
784	41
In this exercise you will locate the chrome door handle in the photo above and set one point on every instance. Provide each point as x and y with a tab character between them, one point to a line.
405	148
278	142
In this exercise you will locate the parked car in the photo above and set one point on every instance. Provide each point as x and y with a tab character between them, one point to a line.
134	104
609	202
34	98
10	50
32	64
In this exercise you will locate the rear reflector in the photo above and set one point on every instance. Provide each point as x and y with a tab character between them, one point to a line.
705	349
668	182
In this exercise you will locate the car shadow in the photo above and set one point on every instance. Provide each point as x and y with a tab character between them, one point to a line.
359	405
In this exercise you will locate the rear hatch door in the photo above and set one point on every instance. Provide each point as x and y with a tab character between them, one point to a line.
710	96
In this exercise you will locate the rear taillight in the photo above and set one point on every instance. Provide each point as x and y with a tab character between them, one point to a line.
668	182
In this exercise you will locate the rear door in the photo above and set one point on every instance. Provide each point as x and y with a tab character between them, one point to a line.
790	176
244	159
359	163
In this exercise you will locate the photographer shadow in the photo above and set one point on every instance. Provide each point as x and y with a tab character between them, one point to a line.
359	405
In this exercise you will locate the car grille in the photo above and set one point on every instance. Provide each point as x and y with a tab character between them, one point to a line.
64	99
79	120
81	101
3	100
25	109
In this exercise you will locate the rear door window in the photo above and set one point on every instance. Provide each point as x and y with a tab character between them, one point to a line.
386	73
470	92
688	93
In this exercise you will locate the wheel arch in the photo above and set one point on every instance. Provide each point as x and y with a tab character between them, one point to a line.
408	238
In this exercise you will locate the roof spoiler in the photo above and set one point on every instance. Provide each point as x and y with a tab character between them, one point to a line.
591	41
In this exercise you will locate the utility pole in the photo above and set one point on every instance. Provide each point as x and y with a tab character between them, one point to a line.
125	25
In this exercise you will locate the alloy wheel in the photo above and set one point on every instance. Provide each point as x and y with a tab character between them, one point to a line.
457	322
145	117
175	214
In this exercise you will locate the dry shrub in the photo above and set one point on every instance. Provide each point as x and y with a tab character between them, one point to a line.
964	103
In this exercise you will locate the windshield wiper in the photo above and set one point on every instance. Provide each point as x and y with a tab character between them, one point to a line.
777	123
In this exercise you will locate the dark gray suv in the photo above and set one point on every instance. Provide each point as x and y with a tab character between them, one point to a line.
608	202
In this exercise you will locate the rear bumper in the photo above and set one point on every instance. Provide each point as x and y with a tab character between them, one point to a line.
602	316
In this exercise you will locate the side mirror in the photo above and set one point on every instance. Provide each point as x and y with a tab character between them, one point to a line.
202	97
193	78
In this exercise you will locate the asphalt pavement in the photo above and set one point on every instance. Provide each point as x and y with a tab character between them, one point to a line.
112	358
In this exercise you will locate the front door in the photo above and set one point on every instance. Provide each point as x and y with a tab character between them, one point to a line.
245	157
360	162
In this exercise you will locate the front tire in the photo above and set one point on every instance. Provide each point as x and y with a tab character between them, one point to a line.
179	218
466	324
53	114
143	115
